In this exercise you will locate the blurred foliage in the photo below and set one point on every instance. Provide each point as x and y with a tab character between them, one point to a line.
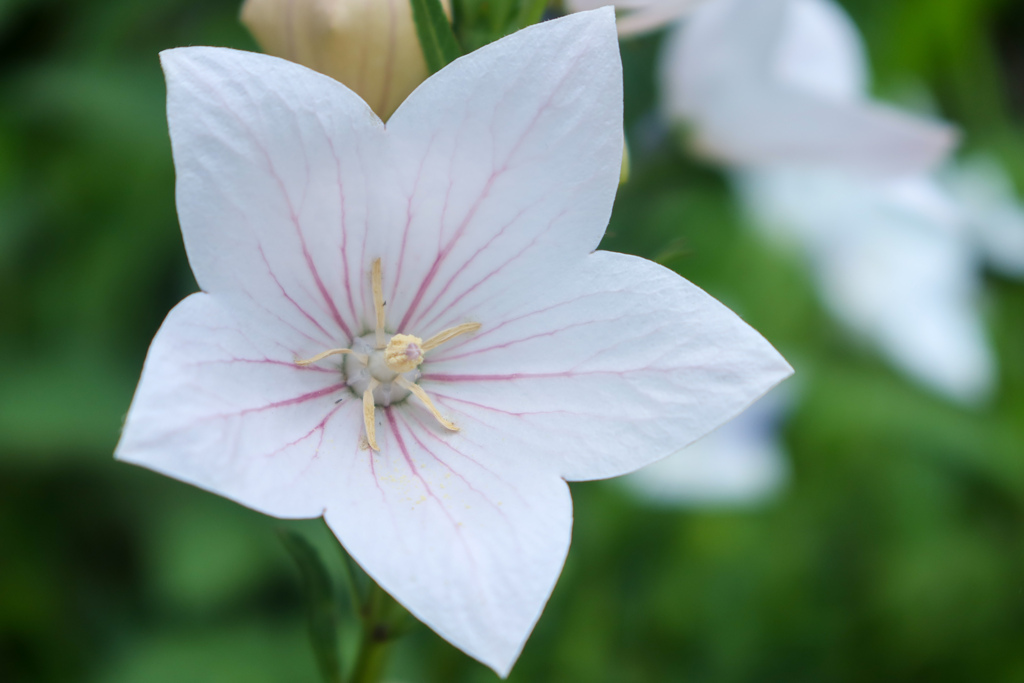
478	22
896	554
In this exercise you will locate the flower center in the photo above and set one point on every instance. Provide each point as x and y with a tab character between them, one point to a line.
384	370
367	363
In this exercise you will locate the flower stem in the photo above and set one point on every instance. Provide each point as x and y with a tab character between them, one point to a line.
381	615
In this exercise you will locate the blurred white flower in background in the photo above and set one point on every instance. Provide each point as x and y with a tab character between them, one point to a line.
783	82
639	16
893	262
777	90
990	211
742	463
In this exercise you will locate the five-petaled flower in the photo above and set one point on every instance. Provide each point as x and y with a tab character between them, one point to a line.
484	200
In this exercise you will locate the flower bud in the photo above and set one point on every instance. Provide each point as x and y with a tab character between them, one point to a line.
369	45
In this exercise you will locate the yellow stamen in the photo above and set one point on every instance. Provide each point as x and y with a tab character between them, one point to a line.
333	352
404	353
418	392
368	418
378	303
449	334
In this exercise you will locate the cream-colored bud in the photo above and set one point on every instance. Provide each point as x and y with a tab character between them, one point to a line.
369	45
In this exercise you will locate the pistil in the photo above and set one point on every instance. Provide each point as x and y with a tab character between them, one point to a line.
389	361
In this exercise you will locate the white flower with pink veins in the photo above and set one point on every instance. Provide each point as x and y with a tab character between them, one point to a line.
407	329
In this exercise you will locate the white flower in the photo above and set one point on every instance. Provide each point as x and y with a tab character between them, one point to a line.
742	463
639	16
894	261
777	88
483	201
769	82
900	262
990	211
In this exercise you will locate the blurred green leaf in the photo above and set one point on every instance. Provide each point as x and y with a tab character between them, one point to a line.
321	605
438	41
530	12
246	653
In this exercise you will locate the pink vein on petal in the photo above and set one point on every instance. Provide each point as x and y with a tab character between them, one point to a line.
376	481
287	296
319	283
443	254
288	202
408	215
491	273
412	467
346	280
427	429
449	377
261	361
466	264
318	428
463	479
496	173
537	335
436	458
390	413
523	414
304	398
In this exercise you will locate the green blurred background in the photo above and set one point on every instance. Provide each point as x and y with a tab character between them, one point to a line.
896	553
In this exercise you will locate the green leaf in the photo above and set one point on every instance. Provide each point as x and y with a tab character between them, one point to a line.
530	12
321	607
354	579
440	46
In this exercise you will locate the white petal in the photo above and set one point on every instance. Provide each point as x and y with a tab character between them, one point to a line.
470	542
820	51
760	84
273	163
795	129
723	45
222	405
506	162
617	365
992	212
894	263
914	292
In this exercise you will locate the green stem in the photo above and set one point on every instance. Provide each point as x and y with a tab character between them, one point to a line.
379	630
352	575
